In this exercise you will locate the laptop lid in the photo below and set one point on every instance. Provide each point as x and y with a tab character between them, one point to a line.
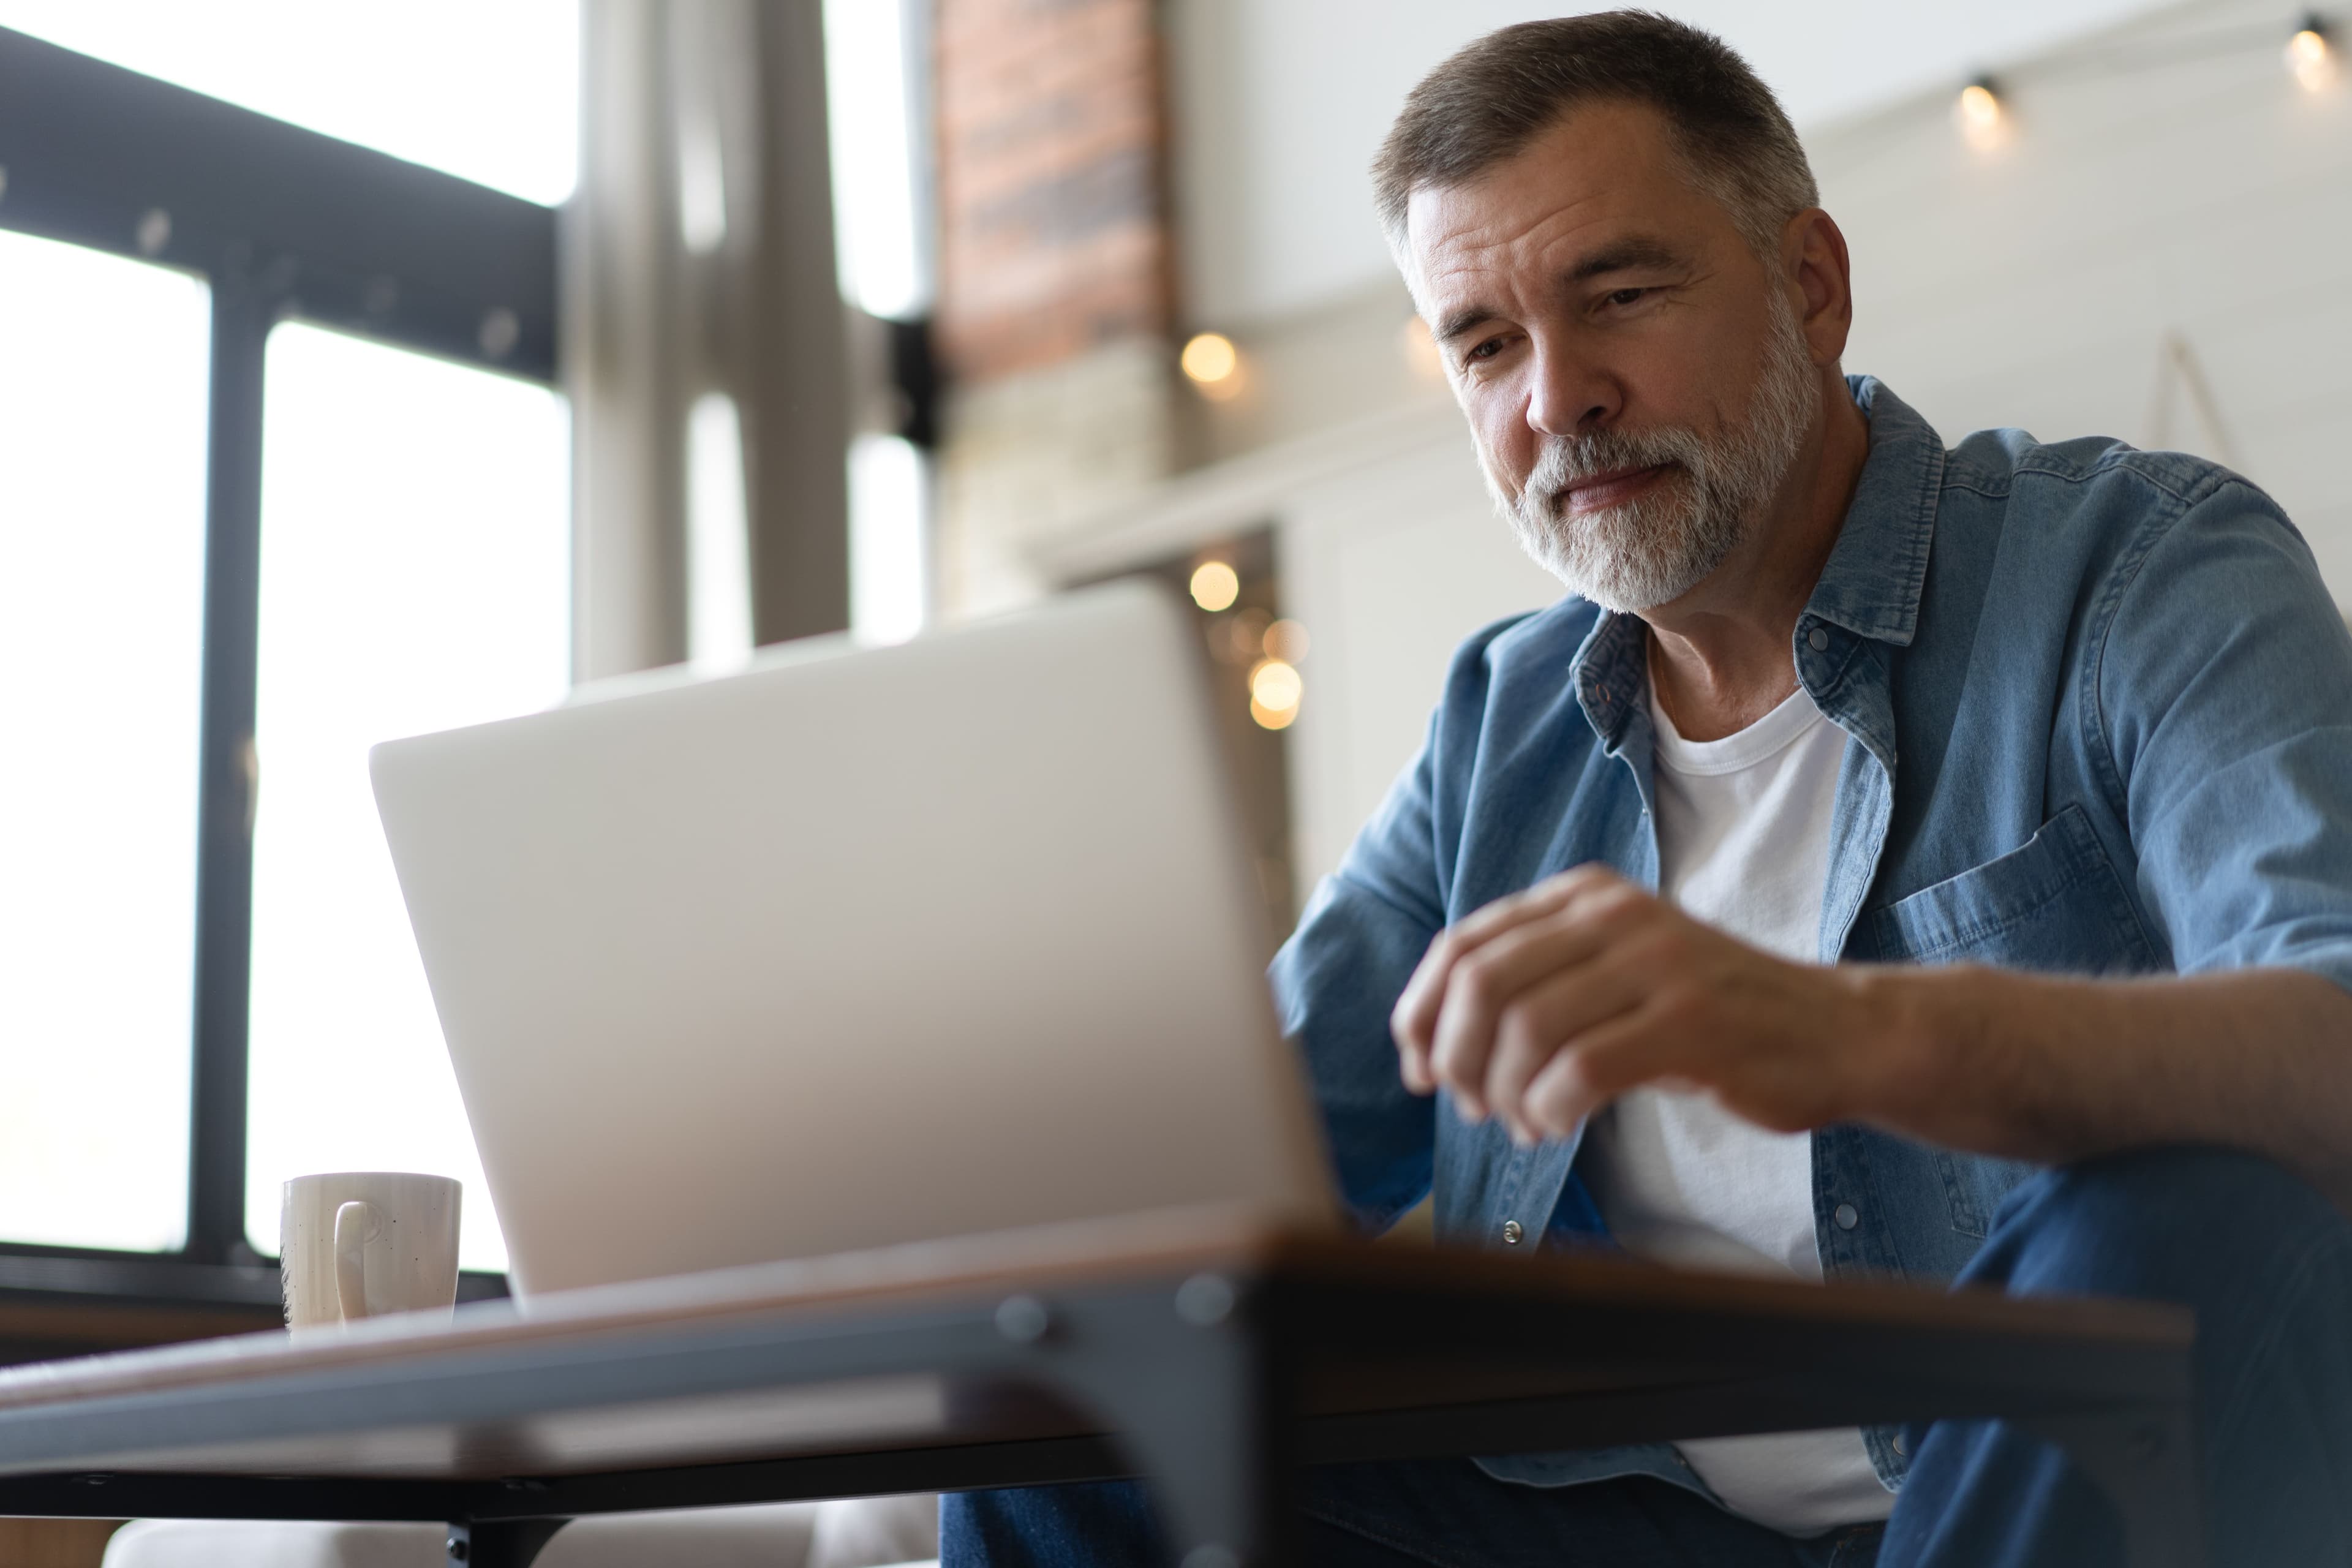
855	947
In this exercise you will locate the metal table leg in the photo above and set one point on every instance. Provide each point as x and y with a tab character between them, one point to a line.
1188	1389
499	1543
2146	1461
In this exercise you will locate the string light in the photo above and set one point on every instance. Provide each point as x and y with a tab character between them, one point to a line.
1212	364
1284	640
2310	59
1215	585
1275	691
1981	114
1420	350
1245	641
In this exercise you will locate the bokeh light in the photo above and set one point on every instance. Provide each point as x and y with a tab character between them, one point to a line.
2310	60
1210	357
1420	350
1274	690
1215	585
1982	118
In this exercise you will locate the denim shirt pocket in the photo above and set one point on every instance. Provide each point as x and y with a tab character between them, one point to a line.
2054	904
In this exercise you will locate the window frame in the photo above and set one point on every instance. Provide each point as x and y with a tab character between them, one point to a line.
281	222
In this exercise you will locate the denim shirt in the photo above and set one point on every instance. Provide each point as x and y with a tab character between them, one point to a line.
2098	709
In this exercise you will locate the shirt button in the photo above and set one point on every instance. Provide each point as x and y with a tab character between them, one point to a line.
1847	1217
1511	1232
1899	1449
1817	639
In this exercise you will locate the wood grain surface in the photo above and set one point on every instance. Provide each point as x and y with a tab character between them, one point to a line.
54	1543
1044	1258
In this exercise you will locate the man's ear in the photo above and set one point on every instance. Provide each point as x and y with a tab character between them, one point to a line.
1819	273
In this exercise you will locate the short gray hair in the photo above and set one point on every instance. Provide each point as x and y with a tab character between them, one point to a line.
1491	98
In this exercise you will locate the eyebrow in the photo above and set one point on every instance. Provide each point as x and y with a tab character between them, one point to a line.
1622	257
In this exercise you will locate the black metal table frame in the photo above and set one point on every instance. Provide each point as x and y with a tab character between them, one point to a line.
1197	1384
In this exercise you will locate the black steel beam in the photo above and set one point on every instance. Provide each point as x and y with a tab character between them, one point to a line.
881	1473
225	791
281	221
108	158
40	1276
109	1494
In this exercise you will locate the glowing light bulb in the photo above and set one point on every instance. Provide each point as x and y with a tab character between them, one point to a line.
1275	691
1209	358
2309	58
1215	585
1284	640
1245	641
1980	115
1420	350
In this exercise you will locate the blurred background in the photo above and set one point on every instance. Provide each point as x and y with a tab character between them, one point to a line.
368	369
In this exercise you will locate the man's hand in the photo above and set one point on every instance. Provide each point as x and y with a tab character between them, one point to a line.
1542	1007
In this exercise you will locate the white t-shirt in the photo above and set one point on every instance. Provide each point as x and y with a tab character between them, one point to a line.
1743	844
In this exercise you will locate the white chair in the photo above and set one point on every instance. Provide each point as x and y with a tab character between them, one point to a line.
862	1533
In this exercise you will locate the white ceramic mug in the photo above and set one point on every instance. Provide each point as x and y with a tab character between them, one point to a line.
356	1244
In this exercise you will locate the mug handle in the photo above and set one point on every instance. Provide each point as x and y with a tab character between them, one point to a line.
354	1224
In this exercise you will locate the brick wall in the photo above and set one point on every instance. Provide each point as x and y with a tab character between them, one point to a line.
1054	299
1052	241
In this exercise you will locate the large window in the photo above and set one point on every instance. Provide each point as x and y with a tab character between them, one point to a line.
102	364
415	557
283	474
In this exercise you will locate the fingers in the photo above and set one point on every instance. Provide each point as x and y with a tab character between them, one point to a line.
1443	1029
1487	983
1414	1021
1544	1021
1542	1008
1645	1045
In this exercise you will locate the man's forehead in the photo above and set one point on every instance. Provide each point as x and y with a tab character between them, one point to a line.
1603	168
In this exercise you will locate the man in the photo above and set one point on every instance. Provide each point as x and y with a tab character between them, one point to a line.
1889	860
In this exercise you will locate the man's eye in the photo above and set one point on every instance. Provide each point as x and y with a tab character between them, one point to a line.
1486	350
1626	296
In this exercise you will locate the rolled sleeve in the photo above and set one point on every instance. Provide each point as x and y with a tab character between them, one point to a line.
2225	688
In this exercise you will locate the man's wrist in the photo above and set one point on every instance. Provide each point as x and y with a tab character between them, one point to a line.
1908	1035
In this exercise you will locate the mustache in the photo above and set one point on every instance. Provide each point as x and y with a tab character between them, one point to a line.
1567	462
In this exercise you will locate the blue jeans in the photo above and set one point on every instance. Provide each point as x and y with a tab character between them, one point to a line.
2264	1260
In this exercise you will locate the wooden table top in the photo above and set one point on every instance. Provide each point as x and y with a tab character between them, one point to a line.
543	1386
1174	1244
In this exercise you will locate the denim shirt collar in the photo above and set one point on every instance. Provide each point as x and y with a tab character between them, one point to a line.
1870	585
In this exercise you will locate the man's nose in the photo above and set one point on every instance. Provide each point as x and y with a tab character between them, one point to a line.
1570	395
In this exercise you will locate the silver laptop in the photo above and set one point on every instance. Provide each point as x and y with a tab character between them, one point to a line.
853	948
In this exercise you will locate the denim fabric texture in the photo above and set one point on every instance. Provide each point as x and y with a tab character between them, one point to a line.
1435	1513
2098	709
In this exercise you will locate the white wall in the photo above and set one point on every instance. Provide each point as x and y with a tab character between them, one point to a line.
2209	199
1279	106
1387	564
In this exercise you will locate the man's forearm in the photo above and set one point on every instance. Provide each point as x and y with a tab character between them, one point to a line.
2053	1069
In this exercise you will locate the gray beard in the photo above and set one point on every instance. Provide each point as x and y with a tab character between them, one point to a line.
1655	548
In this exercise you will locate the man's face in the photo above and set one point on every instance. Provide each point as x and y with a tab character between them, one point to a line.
1637	380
